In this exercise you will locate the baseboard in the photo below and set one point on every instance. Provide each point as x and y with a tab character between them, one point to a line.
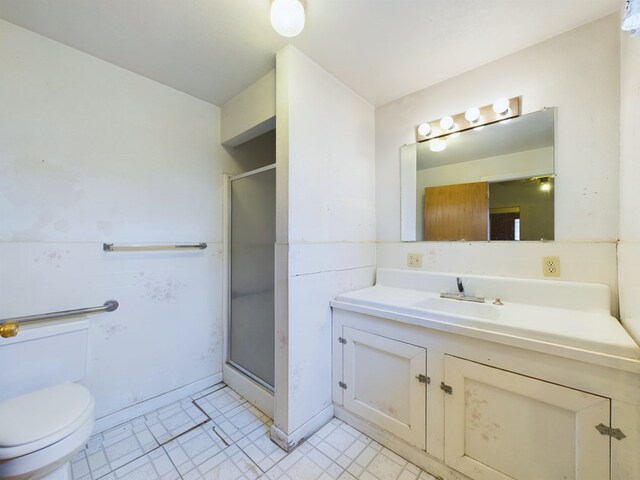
420	458
256	394
290	441
129	413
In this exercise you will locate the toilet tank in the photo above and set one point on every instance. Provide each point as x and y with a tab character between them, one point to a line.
42	355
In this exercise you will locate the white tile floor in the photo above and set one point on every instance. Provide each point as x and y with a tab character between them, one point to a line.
218	435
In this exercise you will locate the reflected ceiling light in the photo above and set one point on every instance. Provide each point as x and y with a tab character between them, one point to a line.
472	114
424	129
447	123
545	186
287	17
437	145
501	106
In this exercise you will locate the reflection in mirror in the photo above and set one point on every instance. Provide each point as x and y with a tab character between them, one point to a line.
490	183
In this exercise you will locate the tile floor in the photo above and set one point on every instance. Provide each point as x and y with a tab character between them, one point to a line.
218	435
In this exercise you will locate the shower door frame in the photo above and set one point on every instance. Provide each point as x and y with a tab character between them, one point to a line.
226	293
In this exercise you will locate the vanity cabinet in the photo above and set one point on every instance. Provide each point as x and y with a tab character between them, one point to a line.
483	410
384	383
500	425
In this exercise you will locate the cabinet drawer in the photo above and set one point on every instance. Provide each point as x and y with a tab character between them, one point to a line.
503	426
383	383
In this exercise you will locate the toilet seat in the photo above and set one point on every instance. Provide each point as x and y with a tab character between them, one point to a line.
39	419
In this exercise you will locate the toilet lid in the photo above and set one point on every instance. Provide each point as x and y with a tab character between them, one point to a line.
31	417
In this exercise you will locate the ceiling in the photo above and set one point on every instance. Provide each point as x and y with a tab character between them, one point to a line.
382	49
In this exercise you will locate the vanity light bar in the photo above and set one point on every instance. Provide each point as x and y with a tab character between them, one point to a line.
487	115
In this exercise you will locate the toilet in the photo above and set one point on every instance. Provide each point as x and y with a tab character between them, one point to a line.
45	418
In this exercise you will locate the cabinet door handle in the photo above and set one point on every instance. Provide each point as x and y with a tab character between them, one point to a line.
423	379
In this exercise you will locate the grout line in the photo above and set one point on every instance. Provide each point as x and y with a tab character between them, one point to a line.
214	423
220	436
169	457
221	386
183	433
130	461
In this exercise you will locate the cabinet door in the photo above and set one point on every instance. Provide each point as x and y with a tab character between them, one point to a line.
500	425
383	385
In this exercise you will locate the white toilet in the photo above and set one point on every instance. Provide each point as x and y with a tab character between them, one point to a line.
44	418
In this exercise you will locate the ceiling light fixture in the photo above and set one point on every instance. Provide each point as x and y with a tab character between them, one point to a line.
501	106
287	17
502	110
472	115
447	123
424	129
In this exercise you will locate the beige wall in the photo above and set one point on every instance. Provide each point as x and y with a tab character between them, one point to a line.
92	153
579	73
325	230
629	248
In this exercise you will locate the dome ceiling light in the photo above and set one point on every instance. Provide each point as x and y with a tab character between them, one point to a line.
287	17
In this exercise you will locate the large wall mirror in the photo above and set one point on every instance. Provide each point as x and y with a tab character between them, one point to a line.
490	183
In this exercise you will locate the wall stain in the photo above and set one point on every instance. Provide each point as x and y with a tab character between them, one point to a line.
160	290
54	257
112	329
475	419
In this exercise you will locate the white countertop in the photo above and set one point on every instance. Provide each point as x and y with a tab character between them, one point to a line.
591	329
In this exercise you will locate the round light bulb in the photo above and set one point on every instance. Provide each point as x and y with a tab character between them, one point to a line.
501	106
424	129
287	17
472	114
446	123
437	145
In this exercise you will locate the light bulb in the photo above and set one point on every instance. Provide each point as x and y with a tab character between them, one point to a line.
545	186
437	145
424	129
446	123
287	17
501	106
472	114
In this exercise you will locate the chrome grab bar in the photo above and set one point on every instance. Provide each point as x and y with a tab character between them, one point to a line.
110	247
9	327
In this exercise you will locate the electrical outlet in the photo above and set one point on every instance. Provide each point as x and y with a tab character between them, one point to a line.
414	260
551	266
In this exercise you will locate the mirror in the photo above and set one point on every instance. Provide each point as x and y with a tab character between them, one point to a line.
493	182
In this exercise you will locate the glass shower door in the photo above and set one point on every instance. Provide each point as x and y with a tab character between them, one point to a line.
253	235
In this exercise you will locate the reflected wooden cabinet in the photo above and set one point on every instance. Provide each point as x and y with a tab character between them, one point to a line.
384	382
457	212
504	426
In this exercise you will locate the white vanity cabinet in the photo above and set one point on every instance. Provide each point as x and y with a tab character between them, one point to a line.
384	383
500	425
486	410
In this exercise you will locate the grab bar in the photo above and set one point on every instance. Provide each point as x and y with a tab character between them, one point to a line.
9	327
110	247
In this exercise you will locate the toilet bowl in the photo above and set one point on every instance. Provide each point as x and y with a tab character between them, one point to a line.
40	432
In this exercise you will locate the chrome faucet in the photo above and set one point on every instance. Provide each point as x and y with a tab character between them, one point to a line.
461	295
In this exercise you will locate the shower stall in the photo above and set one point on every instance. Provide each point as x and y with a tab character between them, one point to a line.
251	240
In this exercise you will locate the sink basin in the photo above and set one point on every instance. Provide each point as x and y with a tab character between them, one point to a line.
457	307
568	314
